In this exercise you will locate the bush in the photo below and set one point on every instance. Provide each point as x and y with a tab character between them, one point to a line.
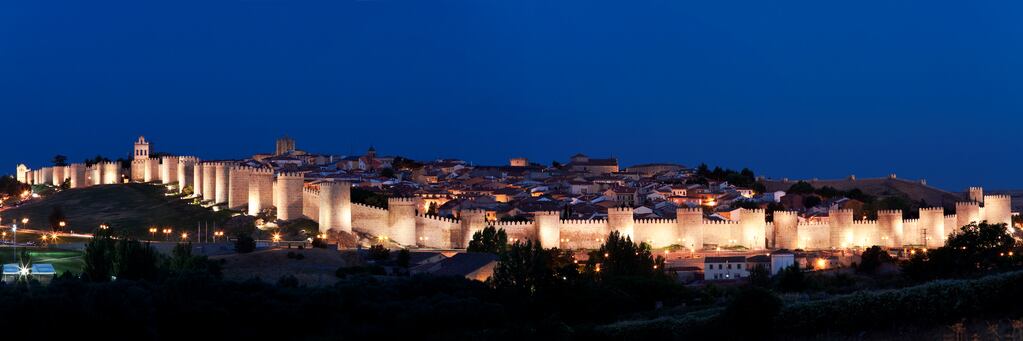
244	244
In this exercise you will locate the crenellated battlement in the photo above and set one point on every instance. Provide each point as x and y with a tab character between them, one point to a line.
932	209
401	201
369	206
583	221
967	204
889	212
811	223
291	175
262	171
655	221
621	210
864	222
720	222
310	190
692	210
996	197
754	211
438	218
842	211
546	213
910	221
512	223
951	216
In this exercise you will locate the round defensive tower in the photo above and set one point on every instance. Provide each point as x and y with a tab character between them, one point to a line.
330	200
47	175
96	174
58	175
690	225
197	181
840	228
998	209
76	174
932	226
620	219
471	221
222	182
786	230
111	172
168	169
889	226
238	183
209	181
289	195
401	215
754	228
186	164
261	183
151	170
548	228
21	172
966	212
344	208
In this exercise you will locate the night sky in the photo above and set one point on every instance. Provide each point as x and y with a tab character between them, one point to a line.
925	89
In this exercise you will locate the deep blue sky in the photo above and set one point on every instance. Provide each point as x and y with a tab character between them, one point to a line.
789	88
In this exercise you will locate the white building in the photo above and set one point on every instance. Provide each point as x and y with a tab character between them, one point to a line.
724	268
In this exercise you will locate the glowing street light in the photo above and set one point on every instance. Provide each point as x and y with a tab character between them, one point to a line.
184	236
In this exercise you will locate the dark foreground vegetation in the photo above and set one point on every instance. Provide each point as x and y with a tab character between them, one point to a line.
620	292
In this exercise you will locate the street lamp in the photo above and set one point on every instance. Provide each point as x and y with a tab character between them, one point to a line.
184	236
152	233
166	233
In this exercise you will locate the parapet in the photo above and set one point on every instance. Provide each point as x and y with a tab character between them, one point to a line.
932	209
842	211
656	221
546	213
291	175
889	212
693	210
996	197
401	201
967	204
620	210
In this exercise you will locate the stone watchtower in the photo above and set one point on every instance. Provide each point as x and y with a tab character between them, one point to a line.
401	215
471	221
548	228
142	148
335	206
285	145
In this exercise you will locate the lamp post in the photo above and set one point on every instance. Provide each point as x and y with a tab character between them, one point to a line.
152	233
166	234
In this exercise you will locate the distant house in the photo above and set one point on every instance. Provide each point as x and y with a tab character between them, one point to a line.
724	268
584	164
471	265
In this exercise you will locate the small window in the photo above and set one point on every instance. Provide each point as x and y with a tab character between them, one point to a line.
729	266
738	266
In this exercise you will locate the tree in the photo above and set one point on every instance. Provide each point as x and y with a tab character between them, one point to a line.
99	258
529	268
182	261
619	256
387	173
490	239
976	248
760	276
432	209
9	186
56	217
244	243
96	159
873	258
135	260
801	187
59	160
66	184
791	279
404	258
378	253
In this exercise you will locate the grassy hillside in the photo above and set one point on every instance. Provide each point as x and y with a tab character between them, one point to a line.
131	208
881	187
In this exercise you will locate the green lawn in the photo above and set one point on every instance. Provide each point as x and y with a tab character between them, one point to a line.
62	260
